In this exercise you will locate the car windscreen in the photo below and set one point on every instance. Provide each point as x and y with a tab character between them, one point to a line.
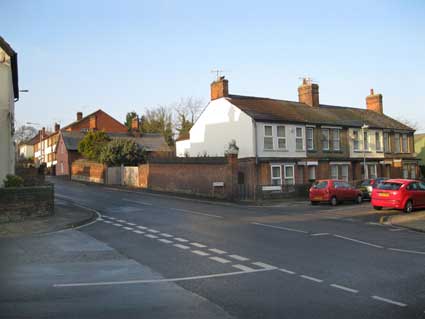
365	183
321	185
389	186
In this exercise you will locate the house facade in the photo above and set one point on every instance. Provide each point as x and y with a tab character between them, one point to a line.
9	94
295	142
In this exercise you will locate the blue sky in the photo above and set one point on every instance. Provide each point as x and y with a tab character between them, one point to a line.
125	55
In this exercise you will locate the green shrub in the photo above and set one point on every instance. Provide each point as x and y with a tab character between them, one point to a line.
13	181
92	144
122	151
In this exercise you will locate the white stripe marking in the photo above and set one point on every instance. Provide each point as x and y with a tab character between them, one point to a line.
344	288
151	236
153	231
138	232
196	213
182	240
141	227
237	257
166	235
217	251
181	246
107	221
128	228
118	225
137	202
389	301
311	278
358	241
407	251
220	260
397	229
263	265
198	245
131	224
121	221
200	253
242	267
282	228
166	241
320	234
287	271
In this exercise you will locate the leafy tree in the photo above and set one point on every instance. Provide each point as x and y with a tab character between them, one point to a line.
159	120
91	145
122	152
128	119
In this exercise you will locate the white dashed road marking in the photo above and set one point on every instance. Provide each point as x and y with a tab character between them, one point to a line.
151	236
320	234
107	221
128	228
217	251
166	235
182	240
389	301
237	257
196	213
153	231
242	267
118	225
220	260
407	251
282	228
198	245
354	291
131	224
287	271
141	227
166	241
358	241
311	278
200	252
181	246
138	232
263	265
120	221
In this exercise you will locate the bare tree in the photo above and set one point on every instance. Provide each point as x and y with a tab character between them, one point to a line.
187	110
24	133
412	124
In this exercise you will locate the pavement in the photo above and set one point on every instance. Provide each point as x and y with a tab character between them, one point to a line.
154	256
414	221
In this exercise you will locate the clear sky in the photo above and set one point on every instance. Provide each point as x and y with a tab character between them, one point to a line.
125	55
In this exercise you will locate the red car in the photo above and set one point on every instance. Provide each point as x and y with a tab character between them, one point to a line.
403	194
334	191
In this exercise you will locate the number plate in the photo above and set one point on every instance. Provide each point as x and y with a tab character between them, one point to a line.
384	194
318	198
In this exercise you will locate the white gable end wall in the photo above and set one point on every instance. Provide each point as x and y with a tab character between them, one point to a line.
220	123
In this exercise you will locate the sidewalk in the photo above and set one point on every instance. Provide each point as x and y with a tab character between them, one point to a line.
414	221
66	216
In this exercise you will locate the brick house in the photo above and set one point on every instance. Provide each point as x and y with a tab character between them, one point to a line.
294	142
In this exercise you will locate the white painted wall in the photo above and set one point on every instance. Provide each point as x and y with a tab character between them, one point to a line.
7	109
371	152
220	123
290	150
26	150
182	147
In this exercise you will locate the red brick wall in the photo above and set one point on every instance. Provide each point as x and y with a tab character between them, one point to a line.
103	122
83	170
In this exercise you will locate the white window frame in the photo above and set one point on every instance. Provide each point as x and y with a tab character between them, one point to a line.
378	141
285	178
298	138
413	171
372	173
344	177
337	173
311	168
405	171
281	138
404	143
356	140
311	139
336	138
268	136
279	178
326	146
387	145
397	144
366	141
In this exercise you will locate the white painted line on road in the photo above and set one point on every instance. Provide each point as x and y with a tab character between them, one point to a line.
148	281
389	301
196	213
181	246
200	252
137	202
121	221
397	229
287	271
237	257
320	234
282	228
182	240
311	278
358	241
151	236
118	225
128	228
375	224
408	251
166	235
217	251
263	265
354	291
153	231
131	224
107	221
141	227
198	245
138	232
220	260
242	267
166	241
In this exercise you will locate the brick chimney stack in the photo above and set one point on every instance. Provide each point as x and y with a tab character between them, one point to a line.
374	102
79	116
135	123
93	122
43	132
219	88
57	127
308	93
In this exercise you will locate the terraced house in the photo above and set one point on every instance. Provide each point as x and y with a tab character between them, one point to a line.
295	142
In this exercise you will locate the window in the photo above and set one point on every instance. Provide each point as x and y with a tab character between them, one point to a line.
334	172
387	148
268	137
310	138
344	172
397	143
325	139
336	139
378	141
299	139
276	175
300	175
289	175
372	171
413	171
62	168
356	140
365	141
404	144
311	173
405	171
281	137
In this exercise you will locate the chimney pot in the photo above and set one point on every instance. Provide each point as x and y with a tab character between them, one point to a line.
371	92
57	127
79	116
219	88
43	132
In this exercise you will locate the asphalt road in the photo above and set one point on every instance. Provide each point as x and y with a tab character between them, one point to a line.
156	256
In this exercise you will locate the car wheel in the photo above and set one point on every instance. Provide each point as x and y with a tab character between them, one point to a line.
408	208
377	207
359	199
334	201
314	203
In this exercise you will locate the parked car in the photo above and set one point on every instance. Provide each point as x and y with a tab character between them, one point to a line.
334	191
403	194
366	186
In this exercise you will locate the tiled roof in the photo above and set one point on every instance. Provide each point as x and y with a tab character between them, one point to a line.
271	110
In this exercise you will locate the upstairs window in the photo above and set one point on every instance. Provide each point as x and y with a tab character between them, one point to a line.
281	137
387	148
268	137
365	141
310	138
378	141
325	139
299	139
336	143
356	143
397	143
404	144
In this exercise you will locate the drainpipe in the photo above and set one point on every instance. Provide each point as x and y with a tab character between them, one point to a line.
256	159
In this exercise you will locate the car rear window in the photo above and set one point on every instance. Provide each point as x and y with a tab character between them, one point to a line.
389	186
321	185
365	183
